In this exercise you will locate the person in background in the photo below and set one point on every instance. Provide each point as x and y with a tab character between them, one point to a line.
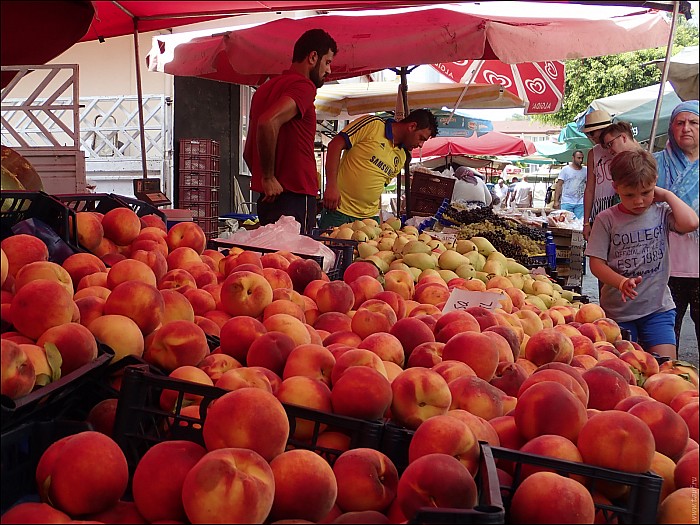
678	173
571	185
522	194
470	188
373	152
599	193
501	190
279	150
511	191
629	252
618	137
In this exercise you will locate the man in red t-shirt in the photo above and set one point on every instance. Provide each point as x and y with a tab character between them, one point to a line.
279	148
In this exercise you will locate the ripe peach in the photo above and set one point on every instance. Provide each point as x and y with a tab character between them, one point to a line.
356	357
682	399
176	307
387	346
18	374
401	283
215	365
361	392
146	241
176	344
313	361
664	467
411	332
551	446
305	486
152	221
664	387
426	355
393	299
181	256
248	418
75	342
511	337
508	433
686	471
431	293
373	316
549	345
245	293
140	302
530	321
536	403
446	434
679	368
305	392
482	429
229	485
120	333
43	270
93	279
335	296
289	325
130	270
22	249
419	394
679	507
588	313
451	369
29	512
278	278
583	392
238	334
364	287
187	234
546	497
121	225
302	272
689	413
476	396
40	305
168	398
367	480
474	349
509	377
244	377
606	388
359	268
593	332
272	260
610	329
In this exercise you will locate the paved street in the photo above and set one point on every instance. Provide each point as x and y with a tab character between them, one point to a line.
688	350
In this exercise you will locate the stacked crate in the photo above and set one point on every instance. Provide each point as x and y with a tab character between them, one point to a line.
428	192
199	182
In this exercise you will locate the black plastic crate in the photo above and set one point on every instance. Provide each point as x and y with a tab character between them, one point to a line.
17	206
104	202
344	254
395	443
47	401
639	506
141	423
489	508
199	147
22	447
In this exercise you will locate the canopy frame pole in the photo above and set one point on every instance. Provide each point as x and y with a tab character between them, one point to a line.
403	72
139	100
466	87
664	77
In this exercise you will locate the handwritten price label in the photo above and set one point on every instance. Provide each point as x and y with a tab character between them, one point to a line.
460	299
444	237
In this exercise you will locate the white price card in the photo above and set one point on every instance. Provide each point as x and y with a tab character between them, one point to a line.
460	299
444	237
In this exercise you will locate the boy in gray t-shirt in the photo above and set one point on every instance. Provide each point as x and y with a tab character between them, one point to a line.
628	250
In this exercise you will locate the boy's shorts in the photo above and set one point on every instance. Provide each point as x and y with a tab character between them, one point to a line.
653	329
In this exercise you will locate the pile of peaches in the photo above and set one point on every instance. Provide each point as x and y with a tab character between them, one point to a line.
559	382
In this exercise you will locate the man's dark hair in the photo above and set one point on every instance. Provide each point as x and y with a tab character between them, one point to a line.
577	151
424	119
617	128
313	40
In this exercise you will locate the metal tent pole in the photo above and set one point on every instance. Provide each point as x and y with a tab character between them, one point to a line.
139	98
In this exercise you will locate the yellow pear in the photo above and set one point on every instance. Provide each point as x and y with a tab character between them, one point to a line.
419	260
516	280
415	272
494	267
386	255
527	286
371	232
424	237
345	232
451	260
483	277
381	264
483	245
568	295
386	243
546	299
465	271
447	275
476	259
437	245
560	302
536	301
410	230
399	243
465	245
514	266
370	222
398	264
358	224
497	256
428	271
415	247
365	250
542	287
359	235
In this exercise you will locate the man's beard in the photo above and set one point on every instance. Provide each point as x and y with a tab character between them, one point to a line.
316	77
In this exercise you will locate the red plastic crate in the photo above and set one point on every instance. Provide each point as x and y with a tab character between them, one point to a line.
199	178
200	162
209	225
199	147
202	210
189	195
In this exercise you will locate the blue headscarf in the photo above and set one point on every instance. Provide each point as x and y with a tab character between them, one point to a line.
676	172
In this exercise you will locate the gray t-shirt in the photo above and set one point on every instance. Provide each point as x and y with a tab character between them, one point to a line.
634	245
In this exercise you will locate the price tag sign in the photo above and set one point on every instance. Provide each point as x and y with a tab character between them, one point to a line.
444	237
460	299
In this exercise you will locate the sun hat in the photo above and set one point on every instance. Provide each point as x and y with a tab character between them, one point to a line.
597	119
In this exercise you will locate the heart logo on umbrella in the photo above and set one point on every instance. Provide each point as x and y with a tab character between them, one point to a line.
536	85
494	78
551	69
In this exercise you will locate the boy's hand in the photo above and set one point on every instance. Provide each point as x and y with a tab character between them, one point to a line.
627	287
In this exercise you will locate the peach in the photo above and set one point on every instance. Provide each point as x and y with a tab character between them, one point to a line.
274	380
245	293
367	480
43	270
536	403
582	392
120	333
289	325
333	322
476	396
664	467
664	387
29	512
130	270
689	413
411	332
93	279
423	309
455	327
209	326
484	317
436	480
683	369
606	388
509	377
418	394
178	280
584	361
311	289
176	344
392	370
546	497
621	367
22	249
361	392
508	433
18	374
230	485
140	302
505	352
431	293
549	345
202	274
617	440
238	334
82	473
75	342
302	272
592	331
588	313
359	268
181	256
305	486
270	350
387	346
349	339
313	361
273	260
610	328
426	355
187	234
176	307
668	428
92	291
456	315
121	225
201	301
551	446
446	434
530	321
40	305
335	296
400	282
373	316
397	303
583	346
451	369
43	370
511	337
363	288
686	471
146	241
153	221
474	349
356	357
305	392
244	377
482	429
169	398
277	278
154	260
679	507
215	365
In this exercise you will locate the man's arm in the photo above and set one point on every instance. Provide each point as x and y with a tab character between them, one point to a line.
269	124
684	217
331	194
557	194
588	195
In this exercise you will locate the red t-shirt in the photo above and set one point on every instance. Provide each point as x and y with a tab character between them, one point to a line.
295	162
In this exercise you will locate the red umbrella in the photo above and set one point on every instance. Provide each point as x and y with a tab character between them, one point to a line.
491	144
540	84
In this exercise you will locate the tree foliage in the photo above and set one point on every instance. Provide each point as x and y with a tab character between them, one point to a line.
591	78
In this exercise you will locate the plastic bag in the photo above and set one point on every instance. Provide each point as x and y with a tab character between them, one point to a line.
59	251
285	235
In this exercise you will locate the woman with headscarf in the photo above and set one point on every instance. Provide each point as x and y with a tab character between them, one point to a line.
678	172
470	188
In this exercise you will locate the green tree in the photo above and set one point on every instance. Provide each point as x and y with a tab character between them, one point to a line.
591	78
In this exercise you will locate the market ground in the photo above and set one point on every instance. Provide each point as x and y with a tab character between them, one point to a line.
688	348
